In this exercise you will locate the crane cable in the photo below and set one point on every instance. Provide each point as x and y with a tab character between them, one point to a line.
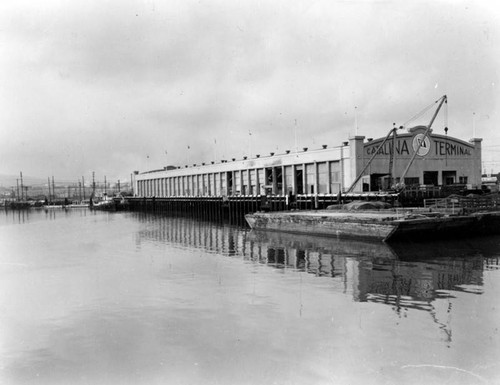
441	101
419	114
446	116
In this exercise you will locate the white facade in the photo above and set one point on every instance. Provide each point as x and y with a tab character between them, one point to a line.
323	171
440	160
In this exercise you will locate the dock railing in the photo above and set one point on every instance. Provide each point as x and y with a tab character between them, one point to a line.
444	205
456	205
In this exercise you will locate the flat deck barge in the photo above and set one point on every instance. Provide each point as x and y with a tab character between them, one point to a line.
383	225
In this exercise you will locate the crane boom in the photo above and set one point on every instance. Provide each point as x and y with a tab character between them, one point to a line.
442	100
370	161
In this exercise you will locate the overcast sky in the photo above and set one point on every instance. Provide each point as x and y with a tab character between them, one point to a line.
116	86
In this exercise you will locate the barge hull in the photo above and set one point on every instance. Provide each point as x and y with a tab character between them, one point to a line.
377	226
341	226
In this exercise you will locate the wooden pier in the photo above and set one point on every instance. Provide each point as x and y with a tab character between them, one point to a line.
232	209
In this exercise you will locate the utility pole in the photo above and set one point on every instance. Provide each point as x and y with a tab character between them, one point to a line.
22	189
17	188
355	121
80	190
473	125
53	187
83	184
93	182
48	184
105	186
119	186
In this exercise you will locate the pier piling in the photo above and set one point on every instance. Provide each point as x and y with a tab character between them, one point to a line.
230	208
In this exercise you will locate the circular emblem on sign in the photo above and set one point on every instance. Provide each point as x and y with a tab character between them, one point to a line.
421	145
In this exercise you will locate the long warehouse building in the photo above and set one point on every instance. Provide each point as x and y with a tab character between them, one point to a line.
440	160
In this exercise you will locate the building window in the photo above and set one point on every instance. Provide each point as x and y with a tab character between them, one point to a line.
462	180
411	181
322	178
310	178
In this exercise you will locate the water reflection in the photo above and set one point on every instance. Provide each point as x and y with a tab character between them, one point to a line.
17	216
26	216
122	298
403	275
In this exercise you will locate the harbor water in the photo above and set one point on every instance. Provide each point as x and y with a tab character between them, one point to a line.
132	298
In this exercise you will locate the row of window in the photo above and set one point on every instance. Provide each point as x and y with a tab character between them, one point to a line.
323	178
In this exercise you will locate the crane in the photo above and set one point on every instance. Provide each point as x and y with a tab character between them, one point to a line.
441	101
393	132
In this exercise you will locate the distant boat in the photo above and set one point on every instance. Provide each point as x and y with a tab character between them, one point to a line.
103	203
53	207
82	205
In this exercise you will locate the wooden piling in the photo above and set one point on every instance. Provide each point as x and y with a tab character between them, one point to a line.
231	208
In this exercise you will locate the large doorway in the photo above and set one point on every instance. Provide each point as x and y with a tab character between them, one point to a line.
229	178
449	177
279	180
299	182
431	178
379	182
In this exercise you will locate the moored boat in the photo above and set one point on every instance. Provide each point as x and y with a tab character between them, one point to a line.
108	205
102	203
79	205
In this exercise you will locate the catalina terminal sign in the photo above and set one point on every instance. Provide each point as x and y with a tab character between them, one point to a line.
431	145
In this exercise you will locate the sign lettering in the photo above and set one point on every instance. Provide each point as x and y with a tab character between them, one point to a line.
451	149
386	149
441	147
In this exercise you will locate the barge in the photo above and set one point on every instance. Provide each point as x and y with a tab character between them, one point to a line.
383	225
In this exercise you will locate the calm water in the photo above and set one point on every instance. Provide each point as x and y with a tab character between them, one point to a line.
129	298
